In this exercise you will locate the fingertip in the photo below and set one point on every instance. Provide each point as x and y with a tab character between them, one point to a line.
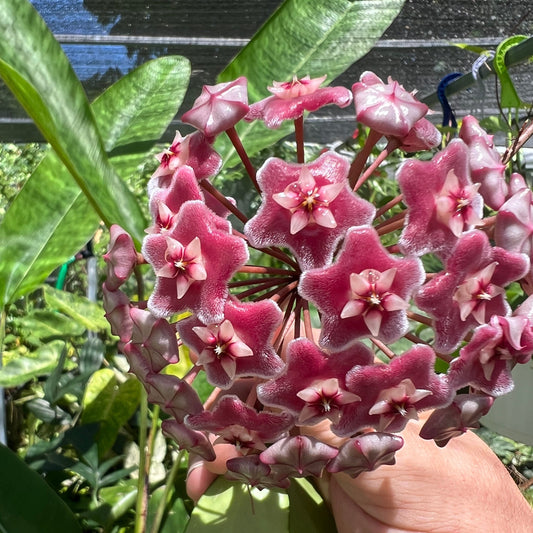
199	478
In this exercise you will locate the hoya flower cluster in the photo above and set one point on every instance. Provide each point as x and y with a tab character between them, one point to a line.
354	267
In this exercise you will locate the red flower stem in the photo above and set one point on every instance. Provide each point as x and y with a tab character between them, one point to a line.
360	159
282	294
390	227
299	133
297	319
393	218
420	318
263	286
252	397
255	281
389	205
282	256
253	269
383	347
307	321
286	324
207	186
445	357
391	146
236	141
212	398
413	338
190	376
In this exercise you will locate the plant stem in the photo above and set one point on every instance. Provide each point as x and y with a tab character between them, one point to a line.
389	205
299	133
391	146
255	269
236	141
3	435
308	327
141	507
256	281
169	485
360	159
207	186
383	347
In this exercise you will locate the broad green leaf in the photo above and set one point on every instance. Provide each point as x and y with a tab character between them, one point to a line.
88	314
176	516
37	71
228	506
47	325
114	502
132	115
508	96
110	403
27	503
308	512
305	37
24	368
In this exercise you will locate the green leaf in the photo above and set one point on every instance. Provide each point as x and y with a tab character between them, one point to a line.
47	325
35	68
116	501
24	368
508	95
228	506
88	314
109	403
132	115
305	37
176	516
27	503
308	511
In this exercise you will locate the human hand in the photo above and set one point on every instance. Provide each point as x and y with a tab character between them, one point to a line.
462	487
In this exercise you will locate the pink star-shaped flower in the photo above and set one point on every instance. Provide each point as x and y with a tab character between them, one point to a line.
299	456
514	223
422	136
193	150
365	453
251	471
155	338
364	293
121	257
193	263
486	166
290	100
386	107
393	394
237	347
239	424
307	208
312	386
457	418
188	439
442	201
219	107
471	289
485	363
165	202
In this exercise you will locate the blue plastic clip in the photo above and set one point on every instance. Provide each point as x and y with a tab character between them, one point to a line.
448	116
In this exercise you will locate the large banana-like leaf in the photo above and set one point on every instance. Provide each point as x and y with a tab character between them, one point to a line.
305	37
51	218
35	68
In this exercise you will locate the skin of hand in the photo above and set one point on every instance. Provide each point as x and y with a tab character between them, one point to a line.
462	487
